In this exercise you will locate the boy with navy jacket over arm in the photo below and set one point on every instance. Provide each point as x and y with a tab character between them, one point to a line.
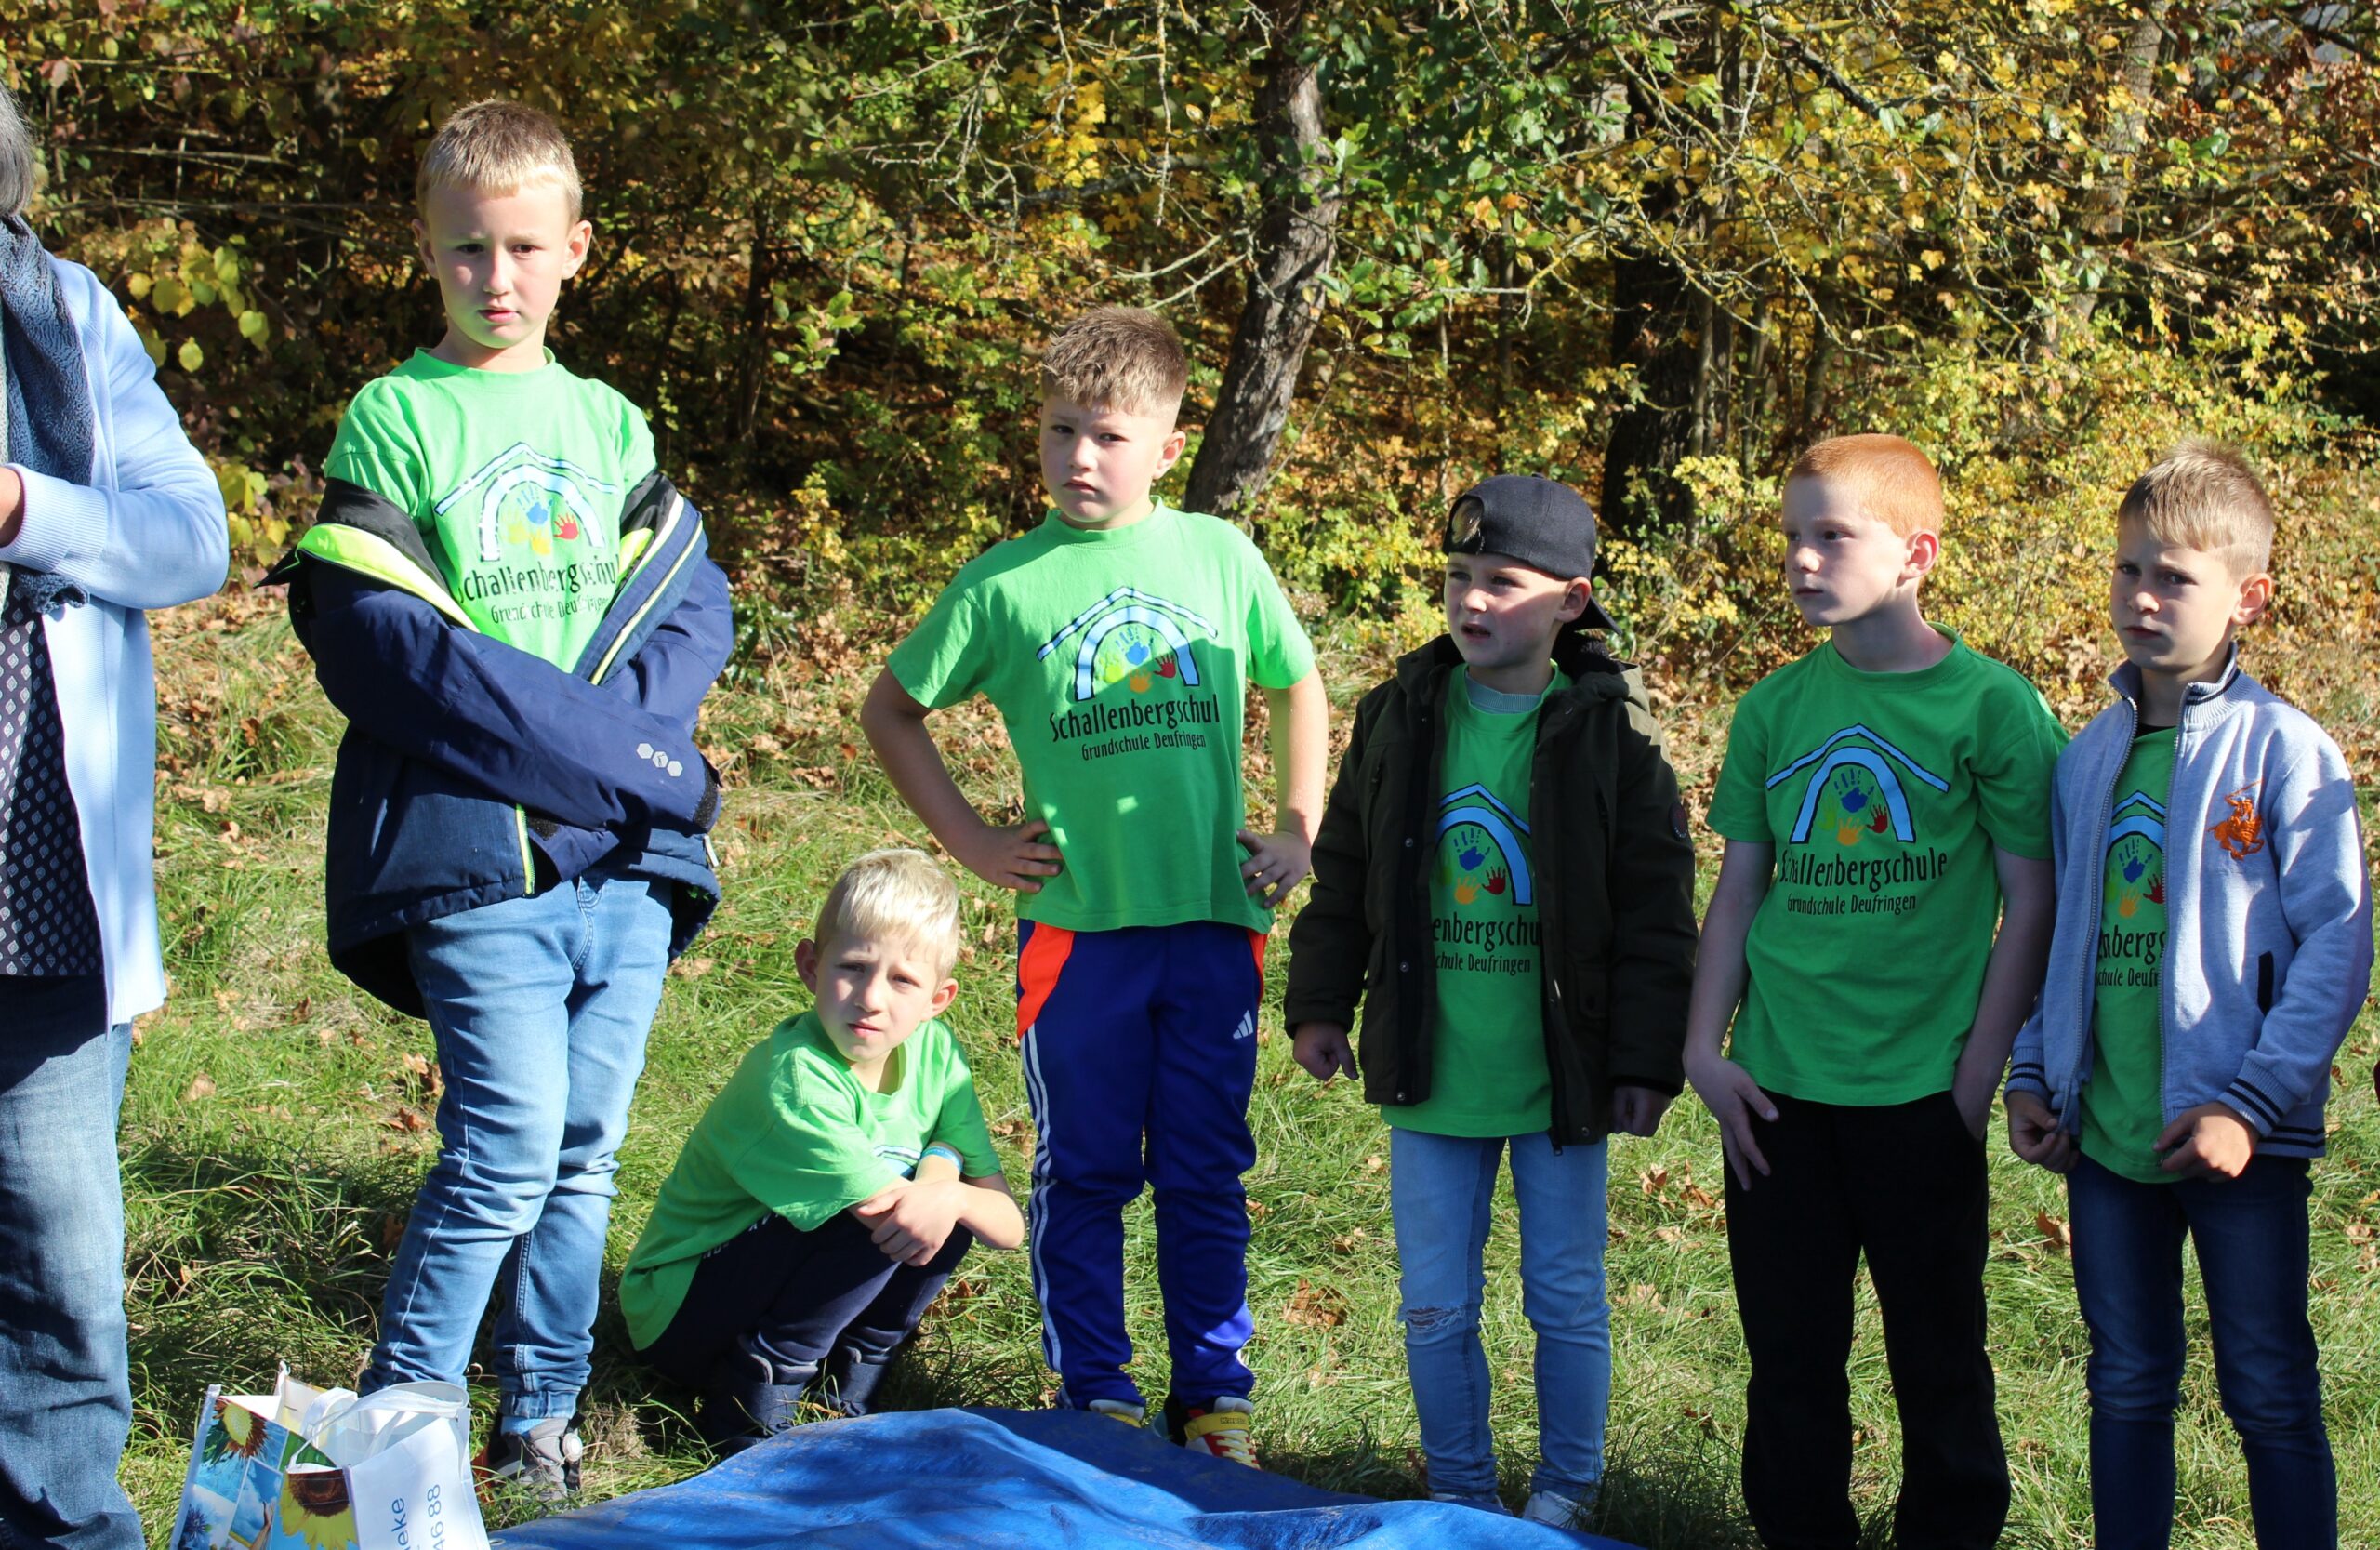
516	614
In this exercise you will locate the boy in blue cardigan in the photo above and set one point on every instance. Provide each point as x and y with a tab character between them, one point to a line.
2214	944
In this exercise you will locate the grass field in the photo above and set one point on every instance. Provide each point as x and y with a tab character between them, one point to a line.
277	1122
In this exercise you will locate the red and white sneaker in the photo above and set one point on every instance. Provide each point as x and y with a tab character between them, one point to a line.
1220	1430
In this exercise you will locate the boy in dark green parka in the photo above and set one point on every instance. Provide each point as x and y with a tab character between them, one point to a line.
1503	877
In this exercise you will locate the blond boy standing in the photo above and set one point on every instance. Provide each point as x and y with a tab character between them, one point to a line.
2213	946
515	612
1115	639
1882	797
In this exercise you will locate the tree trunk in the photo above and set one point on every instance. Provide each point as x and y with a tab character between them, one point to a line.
1295	241
2100	215
752	369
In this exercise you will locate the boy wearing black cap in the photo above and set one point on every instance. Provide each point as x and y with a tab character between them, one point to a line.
1504	878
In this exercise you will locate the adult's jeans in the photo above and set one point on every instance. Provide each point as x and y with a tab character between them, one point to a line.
2252	1253
1904	1184
803	1303
539	1007
65	1392
1440	1191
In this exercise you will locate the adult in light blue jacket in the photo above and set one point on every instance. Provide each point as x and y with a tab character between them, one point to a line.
105	511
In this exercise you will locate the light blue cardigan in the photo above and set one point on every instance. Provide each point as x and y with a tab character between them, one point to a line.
146	531
2268	909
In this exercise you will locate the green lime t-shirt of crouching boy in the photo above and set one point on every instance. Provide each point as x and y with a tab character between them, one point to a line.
796	1135
1120	660
1884	795
516	481
2124	1103
1487	1070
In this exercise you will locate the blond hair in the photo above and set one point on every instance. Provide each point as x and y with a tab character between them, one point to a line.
898	894
1895	482
1123	358
497	147
2204	496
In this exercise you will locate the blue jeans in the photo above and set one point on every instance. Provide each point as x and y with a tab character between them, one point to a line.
65	1392
1440	1189
540	1007
2252	1253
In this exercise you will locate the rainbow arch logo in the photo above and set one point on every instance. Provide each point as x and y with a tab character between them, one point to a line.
1131	635
1477	806
1861	780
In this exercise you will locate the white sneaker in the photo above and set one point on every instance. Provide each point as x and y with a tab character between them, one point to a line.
1551	1506
1486	1501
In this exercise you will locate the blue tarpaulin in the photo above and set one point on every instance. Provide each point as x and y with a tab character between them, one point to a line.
999	1479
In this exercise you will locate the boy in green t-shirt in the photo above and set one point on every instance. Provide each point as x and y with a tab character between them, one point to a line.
1880	797
836	1181
1115	639
515	612
1503	876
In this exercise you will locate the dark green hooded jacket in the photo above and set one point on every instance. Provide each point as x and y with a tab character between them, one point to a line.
1615	872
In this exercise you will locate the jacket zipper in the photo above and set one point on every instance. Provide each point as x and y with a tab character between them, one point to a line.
2086	1047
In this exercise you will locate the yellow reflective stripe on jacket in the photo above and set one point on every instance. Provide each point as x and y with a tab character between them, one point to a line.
351	549
604	667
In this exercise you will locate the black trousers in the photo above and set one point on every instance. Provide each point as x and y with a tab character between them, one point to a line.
1903	1183
796	1300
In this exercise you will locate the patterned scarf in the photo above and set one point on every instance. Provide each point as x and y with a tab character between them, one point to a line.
46	408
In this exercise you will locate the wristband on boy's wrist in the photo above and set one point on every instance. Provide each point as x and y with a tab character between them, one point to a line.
943	1148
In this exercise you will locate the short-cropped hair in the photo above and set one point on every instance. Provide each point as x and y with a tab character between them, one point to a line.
2203	495
497	147
1122	358
1895	483
897	894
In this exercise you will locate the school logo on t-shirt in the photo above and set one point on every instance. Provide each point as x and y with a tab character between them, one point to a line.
1856	826
524	508
1130	662
2132	911
1486	915
523	499
1481	856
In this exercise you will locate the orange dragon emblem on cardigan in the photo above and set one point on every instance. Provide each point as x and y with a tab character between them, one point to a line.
2243	834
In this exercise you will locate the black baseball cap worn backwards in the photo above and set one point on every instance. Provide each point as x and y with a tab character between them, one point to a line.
1541	522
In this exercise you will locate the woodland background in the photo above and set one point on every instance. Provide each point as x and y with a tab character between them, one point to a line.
1651	249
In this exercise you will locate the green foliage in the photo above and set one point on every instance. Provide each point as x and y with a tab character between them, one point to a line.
829	237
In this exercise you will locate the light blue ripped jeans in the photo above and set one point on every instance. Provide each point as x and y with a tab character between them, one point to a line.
1440	1189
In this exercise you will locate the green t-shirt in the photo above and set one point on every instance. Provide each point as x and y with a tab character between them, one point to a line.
1120	660
1488	1074
516	480
794	1133
1884	795
2124	1103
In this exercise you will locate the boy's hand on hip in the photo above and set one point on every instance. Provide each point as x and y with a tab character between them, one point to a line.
1733	1098
2209	1142
1638	1110
1015	857
1277	863
2035	1134
1322	1050
911	1221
